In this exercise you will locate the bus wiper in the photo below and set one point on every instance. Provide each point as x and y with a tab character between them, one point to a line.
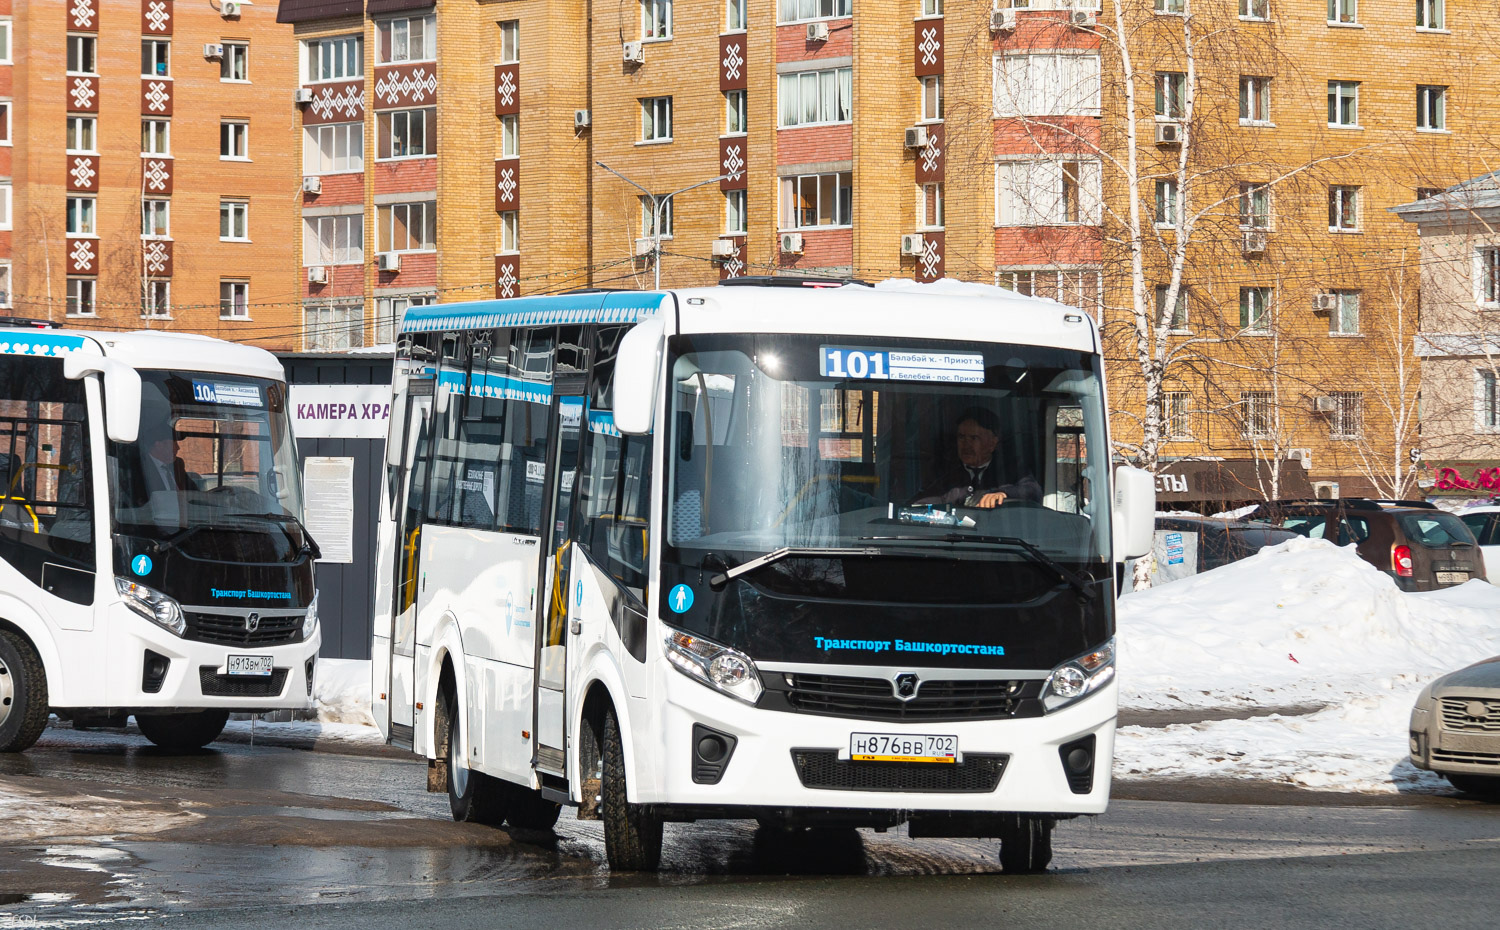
1077	581
175	540
776	555
308	543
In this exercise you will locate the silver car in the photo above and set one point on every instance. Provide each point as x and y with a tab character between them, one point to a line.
1455	728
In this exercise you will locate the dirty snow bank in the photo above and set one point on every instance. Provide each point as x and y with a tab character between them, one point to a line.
342	691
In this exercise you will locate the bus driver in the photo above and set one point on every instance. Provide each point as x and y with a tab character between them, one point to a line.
974	480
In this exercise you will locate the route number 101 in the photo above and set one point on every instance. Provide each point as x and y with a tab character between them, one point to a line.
854	363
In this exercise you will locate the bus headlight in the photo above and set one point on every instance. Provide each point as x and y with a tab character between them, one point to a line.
1077	678
310	622
153	605
719	667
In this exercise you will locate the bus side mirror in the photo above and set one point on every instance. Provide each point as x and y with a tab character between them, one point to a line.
122	392
636	368
1134	512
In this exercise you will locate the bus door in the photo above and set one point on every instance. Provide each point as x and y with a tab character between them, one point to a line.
408	497
551	658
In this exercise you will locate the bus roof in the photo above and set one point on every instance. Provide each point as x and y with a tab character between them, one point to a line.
144	349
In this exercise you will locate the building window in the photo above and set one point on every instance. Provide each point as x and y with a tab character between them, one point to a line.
1047	192
792	11
1347	421
510	42
648	211
408	227
812	200
156	58
734	15
332	327
510	231
5	284
815	98
1082	288
932	98
5	211
333	240
1255	206
930	206
1255	304
1169	6
1487	276
1487	403
1255	414
80	215
1166	202
734	113
4	122
1046	85
735	222
234	300
83	55
1343	11
81	297
156	219
82	135
1179	321
405	133
656	119
156	137
1343	103
1431	106
335	59
1179	415
333	148
234	141
1255	9
234	221
157	300
1171	94
1255	101
1343	209
409	38
390	311
932	7
656	19
1343	320
235	65
5	58
1431	14
510	143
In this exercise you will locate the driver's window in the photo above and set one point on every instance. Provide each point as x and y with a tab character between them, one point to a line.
1069	490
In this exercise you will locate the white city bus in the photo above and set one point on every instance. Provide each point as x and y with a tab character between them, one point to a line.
690	555
153	560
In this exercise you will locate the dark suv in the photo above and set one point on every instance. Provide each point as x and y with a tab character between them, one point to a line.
1418	545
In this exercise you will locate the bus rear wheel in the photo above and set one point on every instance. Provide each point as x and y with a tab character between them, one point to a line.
473	797
632	832
1025	844
182	732
23	694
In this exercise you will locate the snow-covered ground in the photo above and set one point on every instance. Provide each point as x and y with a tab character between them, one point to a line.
1302	623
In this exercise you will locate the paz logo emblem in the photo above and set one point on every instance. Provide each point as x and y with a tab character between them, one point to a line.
906	686
252	622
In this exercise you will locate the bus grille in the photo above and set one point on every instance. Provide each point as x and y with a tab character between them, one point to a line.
873	698
213	684
977	774
229	629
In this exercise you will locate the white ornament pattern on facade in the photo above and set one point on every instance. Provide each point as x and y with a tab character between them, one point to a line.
507	281
157	96
157	15
83	172
929	45
419	85
156	258
733	162
83	13
507	88
930	155
82	254
157	175
733	265
930	258
83	93
732	61
349	102
507	185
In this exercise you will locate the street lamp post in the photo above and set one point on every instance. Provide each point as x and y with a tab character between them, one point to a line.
656	205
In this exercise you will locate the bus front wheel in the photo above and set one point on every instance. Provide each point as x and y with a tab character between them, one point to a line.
23	694
632	832
1025	844
183	732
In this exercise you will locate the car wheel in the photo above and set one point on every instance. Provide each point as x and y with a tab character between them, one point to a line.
23	694
1025	844
1487	786
632	832
183	732
473	797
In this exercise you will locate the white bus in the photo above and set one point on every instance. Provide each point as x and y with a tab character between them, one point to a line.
707	553
153	560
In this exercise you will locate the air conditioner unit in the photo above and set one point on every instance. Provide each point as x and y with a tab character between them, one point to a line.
635	53
1169	132
213	50
722	248
1325	303
791	243
317	274
1002	20
388	261
1326	490
229	9
581	119
917	138
817	32
312	185
302	95
644	246
1325	404
1083	19
1253	242
911	243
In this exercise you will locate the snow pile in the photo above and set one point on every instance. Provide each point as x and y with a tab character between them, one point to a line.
341	689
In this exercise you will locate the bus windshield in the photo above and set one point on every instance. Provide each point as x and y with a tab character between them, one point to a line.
826	441
214	451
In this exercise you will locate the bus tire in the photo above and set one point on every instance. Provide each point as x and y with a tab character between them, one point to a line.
528	810
1025	844
473	797
23	693
632	832
183	732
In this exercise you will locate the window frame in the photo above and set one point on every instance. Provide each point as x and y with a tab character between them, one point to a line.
509	42
160	51
1256	302
1168	7
842	207
656	20
385	34
150	303
1348	406
165	134
7	29
385	217
1048	205
386	313
1343	12
243	134
1166	194
1177	415
234	208
648	218
74	297
736	111
7	110
798	108
731	211
1344	201
841	9
1248	14
925	201
242	285
1341	315
312	231
6	272
1336	98
7	201
386	133
1487	277
653	111
1256	407
931	86
238	50
1429	8
152	209
1255	95
1180	322
510	136
510	232
312	141
1250	218
324	47
736	18
1087	104
1486	401
83	41
1427	95
93	133
92	215
1170	95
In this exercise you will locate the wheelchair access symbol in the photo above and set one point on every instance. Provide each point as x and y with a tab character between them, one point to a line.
680	599
141	564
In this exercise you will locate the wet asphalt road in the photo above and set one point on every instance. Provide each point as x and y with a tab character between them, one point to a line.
266	836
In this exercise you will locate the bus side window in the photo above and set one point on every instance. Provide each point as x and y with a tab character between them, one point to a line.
465	438
523	442
614	484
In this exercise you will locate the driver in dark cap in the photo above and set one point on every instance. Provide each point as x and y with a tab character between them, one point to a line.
976	480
